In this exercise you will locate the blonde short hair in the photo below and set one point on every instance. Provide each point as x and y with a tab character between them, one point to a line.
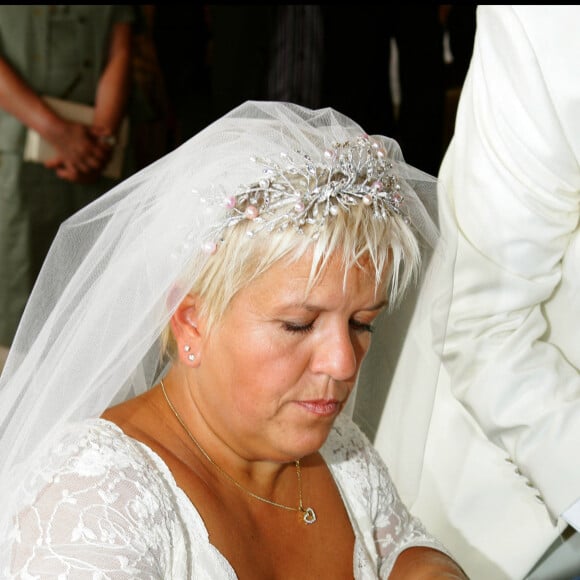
388	245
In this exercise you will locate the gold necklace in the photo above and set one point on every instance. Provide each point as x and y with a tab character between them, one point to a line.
308	514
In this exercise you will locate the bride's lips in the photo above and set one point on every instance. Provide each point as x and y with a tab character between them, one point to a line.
322	407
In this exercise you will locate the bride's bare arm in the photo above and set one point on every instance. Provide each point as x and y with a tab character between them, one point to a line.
420	563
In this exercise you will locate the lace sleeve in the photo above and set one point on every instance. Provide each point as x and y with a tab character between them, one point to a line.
97	515
385	526
395	529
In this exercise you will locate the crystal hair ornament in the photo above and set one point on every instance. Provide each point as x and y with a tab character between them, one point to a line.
299	192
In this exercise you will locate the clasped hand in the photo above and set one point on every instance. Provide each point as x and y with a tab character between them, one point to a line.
83	152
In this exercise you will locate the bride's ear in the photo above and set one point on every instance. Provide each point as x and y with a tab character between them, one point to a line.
185	325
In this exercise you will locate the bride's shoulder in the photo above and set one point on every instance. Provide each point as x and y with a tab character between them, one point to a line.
93	462
91	450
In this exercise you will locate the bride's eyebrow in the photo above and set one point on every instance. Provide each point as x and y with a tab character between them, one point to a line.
314	307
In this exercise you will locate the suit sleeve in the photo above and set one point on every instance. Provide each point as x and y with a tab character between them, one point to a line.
511	181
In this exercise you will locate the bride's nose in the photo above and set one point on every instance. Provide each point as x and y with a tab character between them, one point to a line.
336	356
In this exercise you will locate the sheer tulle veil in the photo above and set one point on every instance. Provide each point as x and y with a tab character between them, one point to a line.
117	269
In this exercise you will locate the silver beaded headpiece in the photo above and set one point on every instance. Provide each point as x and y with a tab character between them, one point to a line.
298	193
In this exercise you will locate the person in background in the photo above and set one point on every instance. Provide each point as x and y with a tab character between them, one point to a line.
175	403
500	482
79	53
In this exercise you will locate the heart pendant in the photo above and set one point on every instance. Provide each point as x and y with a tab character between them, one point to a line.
309	516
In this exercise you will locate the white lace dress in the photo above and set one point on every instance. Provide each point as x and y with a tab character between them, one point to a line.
109	508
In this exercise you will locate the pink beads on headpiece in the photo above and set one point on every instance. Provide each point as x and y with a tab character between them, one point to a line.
230	202
251	212
209	248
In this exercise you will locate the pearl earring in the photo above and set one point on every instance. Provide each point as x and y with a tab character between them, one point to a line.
190	356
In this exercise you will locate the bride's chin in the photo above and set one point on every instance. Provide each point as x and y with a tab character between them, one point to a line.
304	444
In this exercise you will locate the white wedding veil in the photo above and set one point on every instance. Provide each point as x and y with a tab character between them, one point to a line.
117	269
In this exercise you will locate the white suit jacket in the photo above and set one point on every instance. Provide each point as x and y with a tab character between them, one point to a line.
501	459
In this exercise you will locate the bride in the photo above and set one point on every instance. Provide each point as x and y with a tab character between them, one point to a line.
175	404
